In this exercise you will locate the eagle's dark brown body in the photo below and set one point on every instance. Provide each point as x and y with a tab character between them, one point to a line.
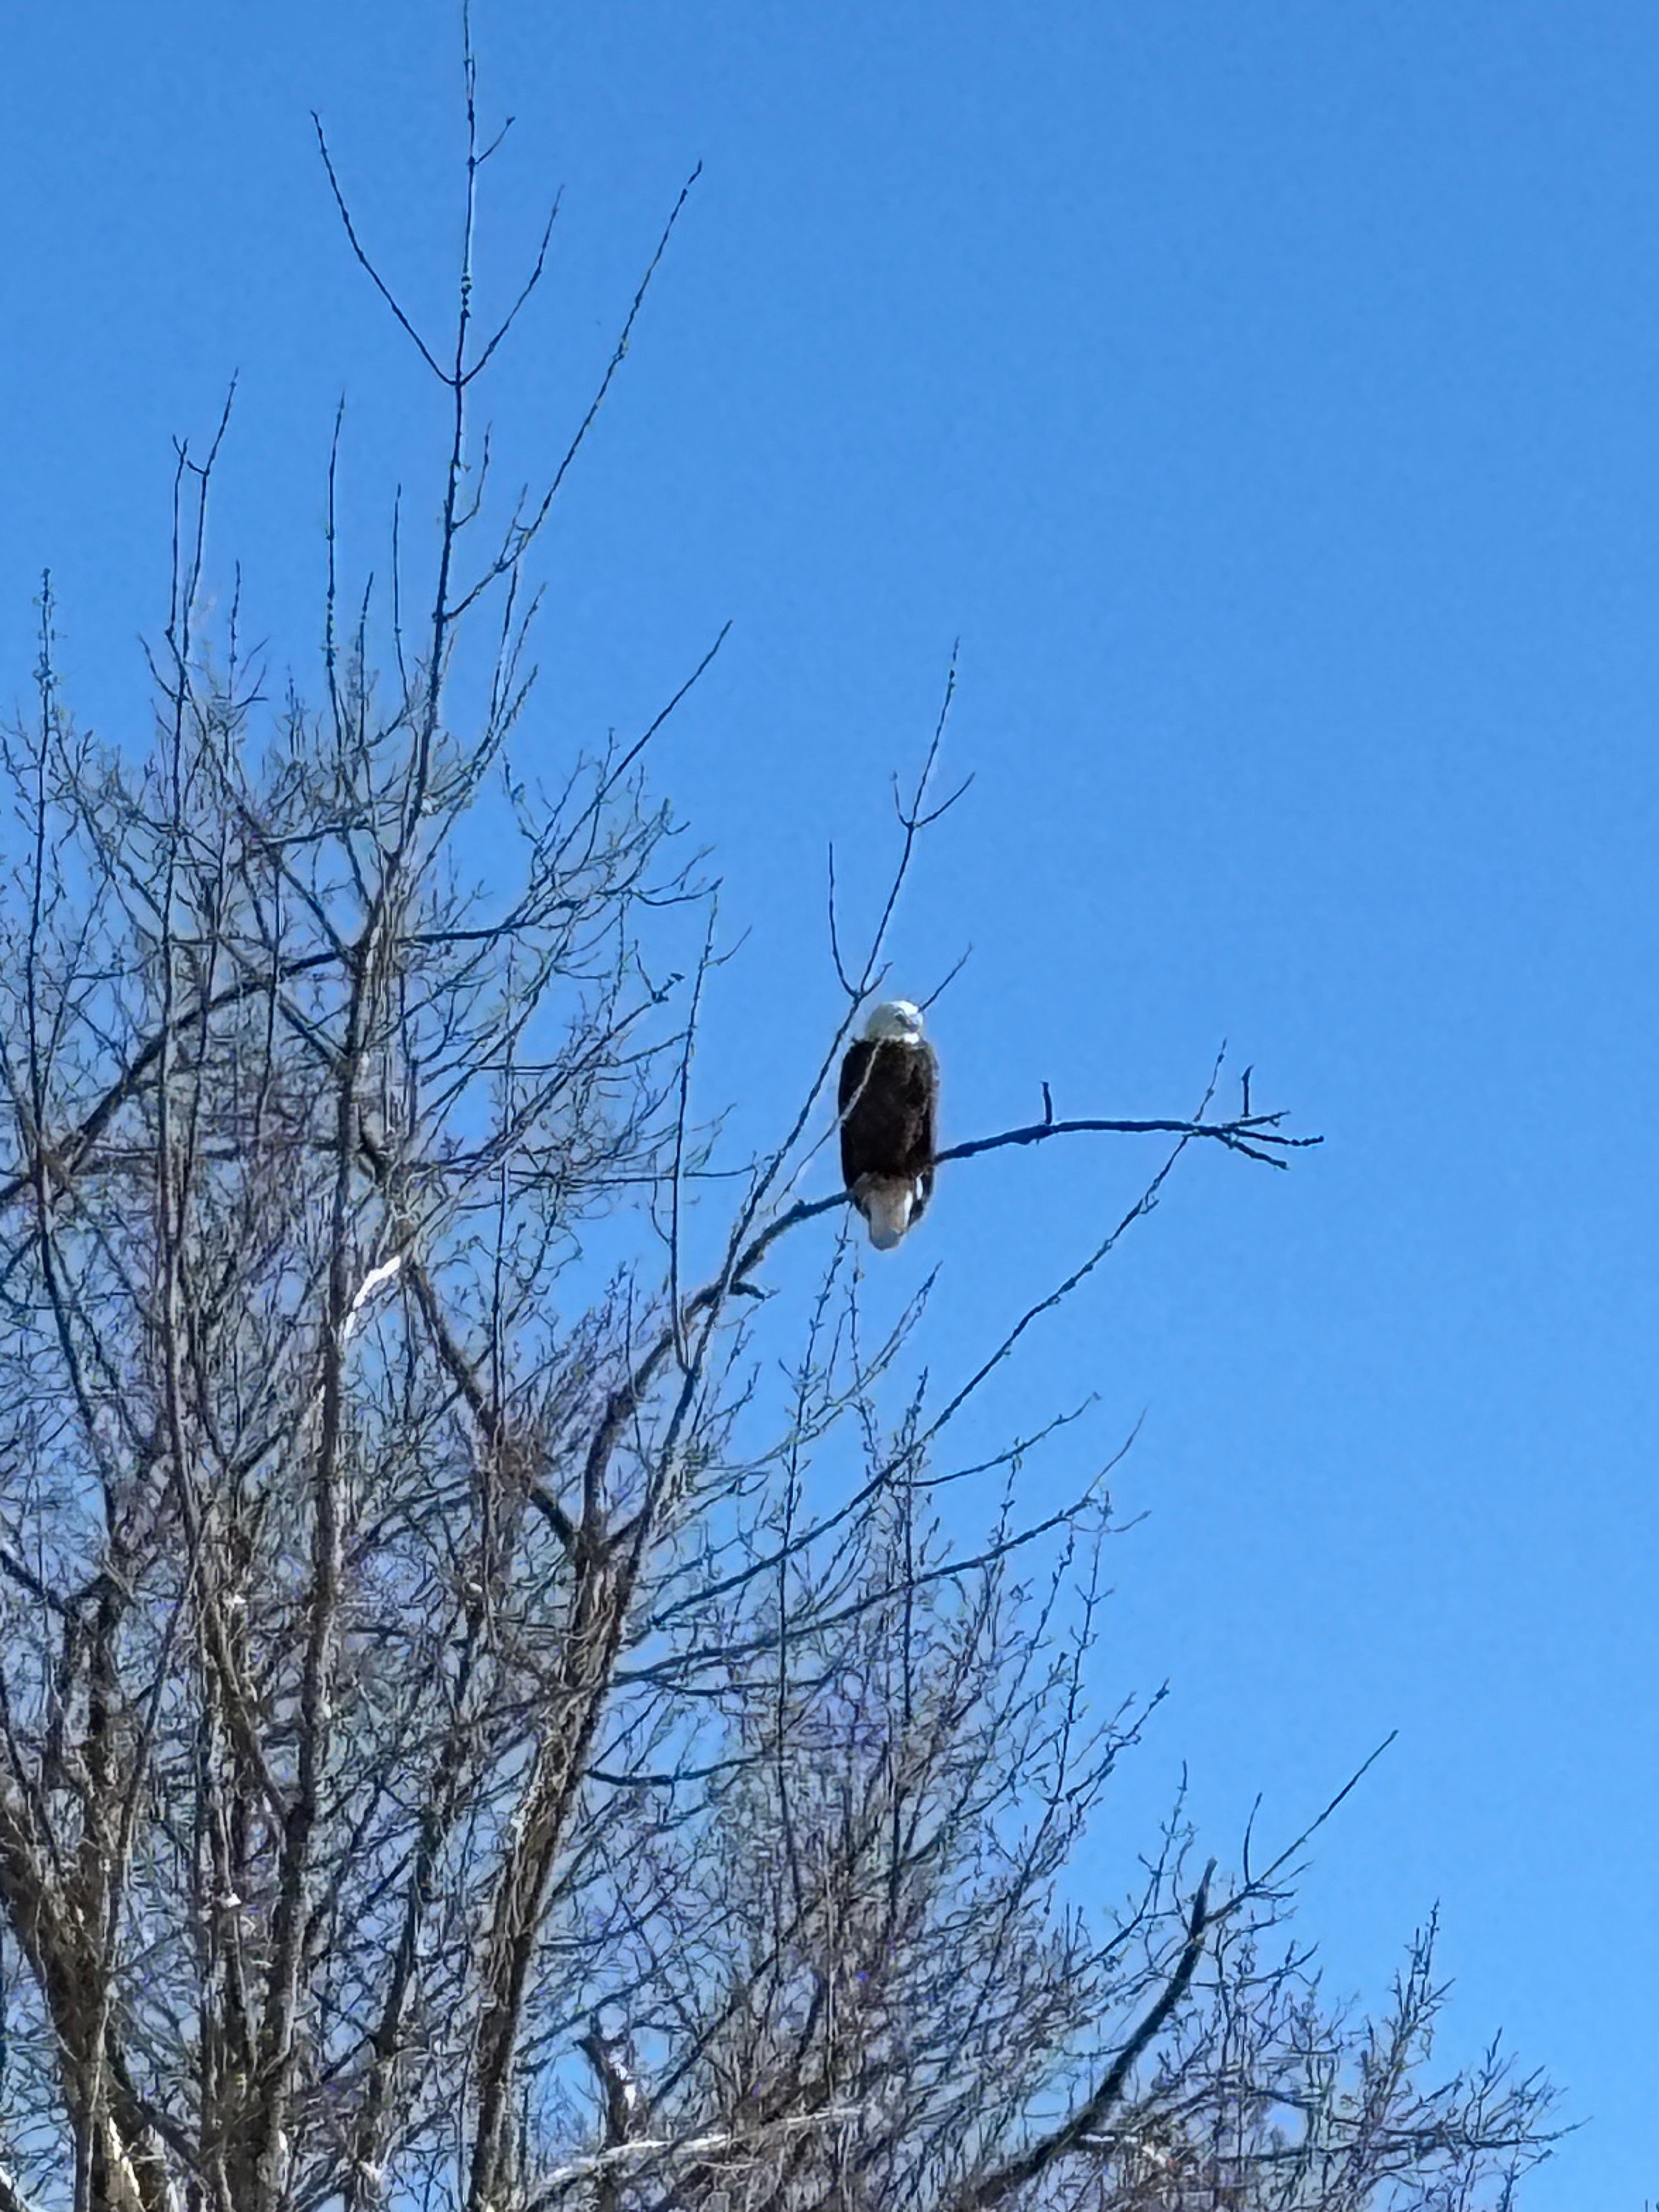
889	1100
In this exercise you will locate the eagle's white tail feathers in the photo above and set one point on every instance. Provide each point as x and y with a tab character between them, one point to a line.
888	1203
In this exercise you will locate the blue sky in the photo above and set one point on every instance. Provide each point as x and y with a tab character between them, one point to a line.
1268	397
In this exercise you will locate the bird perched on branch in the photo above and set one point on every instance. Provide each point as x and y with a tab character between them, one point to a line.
889	1101
627	2111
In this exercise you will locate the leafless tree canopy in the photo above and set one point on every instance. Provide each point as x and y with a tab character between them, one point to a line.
491	1712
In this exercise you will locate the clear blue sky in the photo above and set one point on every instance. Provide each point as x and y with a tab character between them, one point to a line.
1268	395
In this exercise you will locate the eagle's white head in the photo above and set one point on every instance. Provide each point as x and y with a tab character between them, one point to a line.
896	1021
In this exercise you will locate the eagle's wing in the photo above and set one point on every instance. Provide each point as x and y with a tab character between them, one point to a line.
849	1099
922	1089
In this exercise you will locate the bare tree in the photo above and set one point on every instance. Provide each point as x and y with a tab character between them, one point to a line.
470	1737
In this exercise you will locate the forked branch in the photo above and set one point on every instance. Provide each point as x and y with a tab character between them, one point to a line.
1072	2133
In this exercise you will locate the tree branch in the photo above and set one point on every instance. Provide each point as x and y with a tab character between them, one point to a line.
1068	2137
1246	1134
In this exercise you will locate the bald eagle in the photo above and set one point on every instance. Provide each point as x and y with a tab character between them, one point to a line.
888	1101
627	2111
